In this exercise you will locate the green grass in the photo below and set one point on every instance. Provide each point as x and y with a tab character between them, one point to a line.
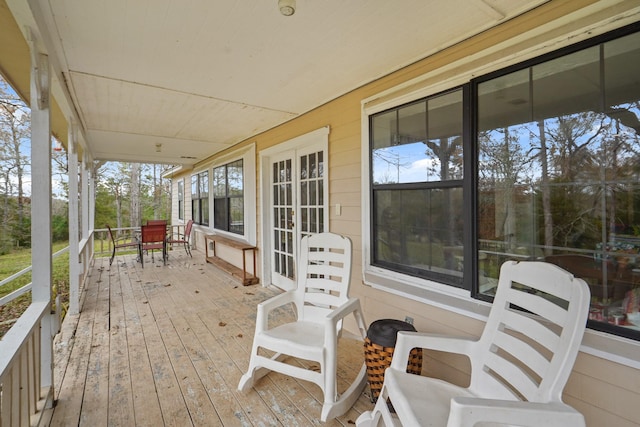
18	260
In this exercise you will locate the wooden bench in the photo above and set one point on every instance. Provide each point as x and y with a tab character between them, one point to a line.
246	277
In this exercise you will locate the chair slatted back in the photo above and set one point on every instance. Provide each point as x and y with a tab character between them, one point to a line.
153	235
187	230
324	275
533	333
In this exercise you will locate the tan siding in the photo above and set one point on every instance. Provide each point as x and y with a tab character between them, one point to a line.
605	392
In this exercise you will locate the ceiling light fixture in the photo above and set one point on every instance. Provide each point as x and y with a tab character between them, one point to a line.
287	7
158	147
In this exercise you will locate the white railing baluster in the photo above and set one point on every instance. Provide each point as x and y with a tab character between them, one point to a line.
20	368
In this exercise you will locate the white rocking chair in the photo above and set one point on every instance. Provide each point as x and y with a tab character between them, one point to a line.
519	366
322	302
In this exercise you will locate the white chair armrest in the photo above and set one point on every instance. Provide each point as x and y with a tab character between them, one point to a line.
467	411
343	311
351	306
265	307
407	341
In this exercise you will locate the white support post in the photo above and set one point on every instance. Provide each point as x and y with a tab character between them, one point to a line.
86	164
92	204
41	240
74	232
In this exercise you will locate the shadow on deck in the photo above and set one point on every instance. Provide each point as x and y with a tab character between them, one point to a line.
166	345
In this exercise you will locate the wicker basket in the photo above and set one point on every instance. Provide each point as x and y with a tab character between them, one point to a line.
378	358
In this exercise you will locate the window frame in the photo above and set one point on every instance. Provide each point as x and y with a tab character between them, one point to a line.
424	185
248	156
227	197
198	200
464	302
594	42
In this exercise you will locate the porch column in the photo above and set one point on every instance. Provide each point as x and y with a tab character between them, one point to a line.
74	232
84	213
92	204
85	196
41	246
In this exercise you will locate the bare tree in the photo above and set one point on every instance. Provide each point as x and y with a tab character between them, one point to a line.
15	128
546	190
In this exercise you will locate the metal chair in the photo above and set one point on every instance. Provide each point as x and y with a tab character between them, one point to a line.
322	302
153	237
124	242
519	366
183	239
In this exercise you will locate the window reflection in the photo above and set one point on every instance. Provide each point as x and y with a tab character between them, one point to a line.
420	142
416	173
558	176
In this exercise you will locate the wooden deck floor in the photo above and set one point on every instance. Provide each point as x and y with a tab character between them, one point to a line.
166	345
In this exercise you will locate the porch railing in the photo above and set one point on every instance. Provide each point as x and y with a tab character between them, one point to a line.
23	398
104	246
26	367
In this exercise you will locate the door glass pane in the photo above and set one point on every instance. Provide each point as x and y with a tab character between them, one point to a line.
311	200
313	166
304	193
312	193
283	220
304	221
304	173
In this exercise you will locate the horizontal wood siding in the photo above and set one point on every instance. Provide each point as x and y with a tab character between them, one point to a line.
605	392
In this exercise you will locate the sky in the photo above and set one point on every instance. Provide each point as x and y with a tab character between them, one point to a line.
57	178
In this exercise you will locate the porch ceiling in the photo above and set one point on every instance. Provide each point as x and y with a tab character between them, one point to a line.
202	75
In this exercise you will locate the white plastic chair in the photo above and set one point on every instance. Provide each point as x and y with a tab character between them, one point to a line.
322	302
519	366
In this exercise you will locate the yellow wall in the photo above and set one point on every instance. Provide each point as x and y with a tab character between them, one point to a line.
607	393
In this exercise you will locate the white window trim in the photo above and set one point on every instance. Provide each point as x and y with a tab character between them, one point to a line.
184	198
610	347
248	156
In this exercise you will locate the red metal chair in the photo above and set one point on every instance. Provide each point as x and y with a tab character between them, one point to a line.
125	242
183	239
153	237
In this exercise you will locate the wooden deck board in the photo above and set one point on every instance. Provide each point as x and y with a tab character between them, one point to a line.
166	345
94	407
121	411
146	404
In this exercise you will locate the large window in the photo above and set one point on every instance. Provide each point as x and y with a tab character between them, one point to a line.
416	182
228	197
200	198
559	175
553	175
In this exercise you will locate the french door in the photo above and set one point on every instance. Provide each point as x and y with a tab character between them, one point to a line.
298	198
